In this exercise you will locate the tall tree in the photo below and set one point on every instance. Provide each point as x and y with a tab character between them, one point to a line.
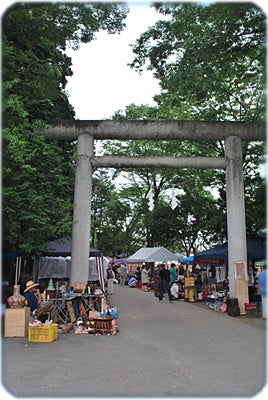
38	175
210	63
109	216
161	226
210	58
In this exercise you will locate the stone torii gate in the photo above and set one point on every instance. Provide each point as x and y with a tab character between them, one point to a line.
233	133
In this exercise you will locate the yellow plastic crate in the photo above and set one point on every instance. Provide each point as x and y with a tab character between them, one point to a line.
43	334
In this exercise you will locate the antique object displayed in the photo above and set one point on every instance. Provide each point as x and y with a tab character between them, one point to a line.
50	292
16	300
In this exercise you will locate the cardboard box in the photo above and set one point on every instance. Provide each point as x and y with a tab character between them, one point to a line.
79	287
189	282
16	322
93	314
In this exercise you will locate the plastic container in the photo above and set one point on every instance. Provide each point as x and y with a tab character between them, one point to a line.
43	334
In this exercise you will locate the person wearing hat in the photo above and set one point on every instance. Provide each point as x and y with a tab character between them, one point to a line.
32	295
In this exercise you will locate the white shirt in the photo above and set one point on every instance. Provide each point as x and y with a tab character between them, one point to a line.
174	290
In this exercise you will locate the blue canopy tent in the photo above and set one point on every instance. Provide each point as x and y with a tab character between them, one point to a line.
187	260
255	251
9	256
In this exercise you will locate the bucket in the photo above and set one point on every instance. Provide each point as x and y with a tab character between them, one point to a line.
191	295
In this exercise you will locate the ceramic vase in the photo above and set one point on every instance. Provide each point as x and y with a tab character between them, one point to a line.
16	300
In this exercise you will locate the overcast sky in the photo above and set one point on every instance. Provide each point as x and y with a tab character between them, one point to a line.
102	83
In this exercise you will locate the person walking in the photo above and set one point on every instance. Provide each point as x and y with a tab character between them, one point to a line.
156	280
262	280
110	280
123	274
164	284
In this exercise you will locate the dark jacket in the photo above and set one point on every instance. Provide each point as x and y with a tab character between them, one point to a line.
164	274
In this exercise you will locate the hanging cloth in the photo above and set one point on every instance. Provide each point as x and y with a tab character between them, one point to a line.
99	265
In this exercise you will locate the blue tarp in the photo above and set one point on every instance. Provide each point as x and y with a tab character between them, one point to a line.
255	251
187	260
9	256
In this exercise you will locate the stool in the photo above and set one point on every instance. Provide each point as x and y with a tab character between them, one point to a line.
251	308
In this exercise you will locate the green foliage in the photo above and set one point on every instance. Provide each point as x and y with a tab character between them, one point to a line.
108	218
210	63
162	226
38	175
38	198
210	60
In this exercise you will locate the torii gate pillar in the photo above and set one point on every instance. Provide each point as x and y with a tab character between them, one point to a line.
236	221
82	209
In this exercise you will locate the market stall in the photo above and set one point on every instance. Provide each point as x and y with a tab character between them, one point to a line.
149	256
56	262
83	307
215	260
212	265
255	251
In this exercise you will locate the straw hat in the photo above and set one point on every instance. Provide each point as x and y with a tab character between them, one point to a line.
29	285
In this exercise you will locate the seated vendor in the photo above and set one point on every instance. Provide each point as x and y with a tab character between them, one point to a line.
32	295
132	282
176	292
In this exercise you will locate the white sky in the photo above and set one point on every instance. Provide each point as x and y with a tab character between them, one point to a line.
102	83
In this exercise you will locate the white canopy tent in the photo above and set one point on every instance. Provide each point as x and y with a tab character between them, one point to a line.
152	254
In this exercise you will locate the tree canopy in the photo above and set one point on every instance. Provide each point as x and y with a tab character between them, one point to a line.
38	175
209	58
210	63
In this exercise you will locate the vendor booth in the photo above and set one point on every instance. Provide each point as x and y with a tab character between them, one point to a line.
149	256
217	258
255	251
84	308
85	295
56	259
213	267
